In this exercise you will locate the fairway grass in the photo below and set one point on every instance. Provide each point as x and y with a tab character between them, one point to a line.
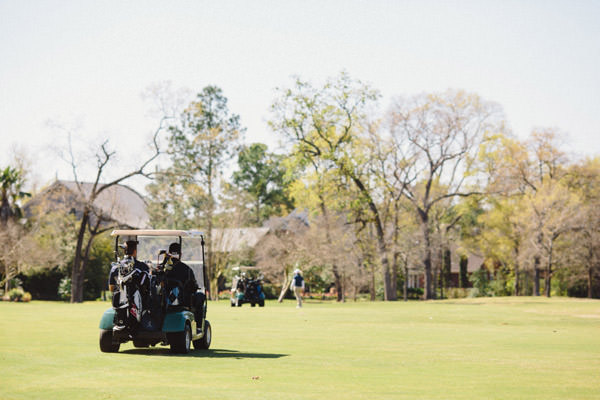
493	348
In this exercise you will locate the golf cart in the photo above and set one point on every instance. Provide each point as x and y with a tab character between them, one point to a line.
149	309
247	287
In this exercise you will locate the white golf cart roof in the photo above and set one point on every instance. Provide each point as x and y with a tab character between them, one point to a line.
156	232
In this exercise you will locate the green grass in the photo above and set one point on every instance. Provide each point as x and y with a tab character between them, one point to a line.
499	348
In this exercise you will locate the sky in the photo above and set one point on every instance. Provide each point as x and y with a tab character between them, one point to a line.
83	65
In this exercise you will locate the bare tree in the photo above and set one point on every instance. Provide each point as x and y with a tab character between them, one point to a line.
281	252
94	221
438	137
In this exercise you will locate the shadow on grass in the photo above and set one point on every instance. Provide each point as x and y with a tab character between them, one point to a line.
211	353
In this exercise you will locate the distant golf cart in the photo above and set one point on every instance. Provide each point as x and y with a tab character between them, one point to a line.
146	308
247	287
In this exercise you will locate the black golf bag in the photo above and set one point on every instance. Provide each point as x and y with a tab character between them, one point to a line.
130	298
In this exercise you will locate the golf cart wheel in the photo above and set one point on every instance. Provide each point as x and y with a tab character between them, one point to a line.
204	342
252	304
181	341
106	344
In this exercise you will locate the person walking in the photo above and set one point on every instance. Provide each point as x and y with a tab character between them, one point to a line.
297	286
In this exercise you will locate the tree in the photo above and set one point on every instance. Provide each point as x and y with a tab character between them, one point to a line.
553	212
438	137
12	233
25	245
282	251
11	183
502	234
327	129
206	136
584	179
538	162
170	201
93	221
261	175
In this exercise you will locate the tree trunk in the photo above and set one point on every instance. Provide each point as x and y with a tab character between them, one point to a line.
78	272
429	294
284	288
394	276
463	280
547	282
536	277
405	292
435	280
339	287
388	292
212	278
589	282
517	274
372	294
548	279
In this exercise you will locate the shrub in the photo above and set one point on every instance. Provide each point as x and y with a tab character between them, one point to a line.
481	283
498	286
17	294
64	289
42	283
270	291
411	293
457	293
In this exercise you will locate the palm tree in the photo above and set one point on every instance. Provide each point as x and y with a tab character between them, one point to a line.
11	182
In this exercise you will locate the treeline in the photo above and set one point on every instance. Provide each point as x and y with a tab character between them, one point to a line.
387	193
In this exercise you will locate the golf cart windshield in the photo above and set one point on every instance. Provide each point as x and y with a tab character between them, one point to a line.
150	243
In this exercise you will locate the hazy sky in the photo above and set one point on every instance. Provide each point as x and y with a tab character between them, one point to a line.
86	63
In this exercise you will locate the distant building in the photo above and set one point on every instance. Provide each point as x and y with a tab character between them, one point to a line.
231	240
416	276
117	205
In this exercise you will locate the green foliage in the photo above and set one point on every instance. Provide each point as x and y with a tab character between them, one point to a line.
43	283
415	293
172	202
96	274
11	183
499	286
64	288
315	279
17	294
206	136
262	175
481	283
457	293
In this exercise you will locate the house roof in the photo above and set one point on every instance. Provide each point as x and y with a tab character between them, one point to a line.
473	264
236	239
120	203
294	222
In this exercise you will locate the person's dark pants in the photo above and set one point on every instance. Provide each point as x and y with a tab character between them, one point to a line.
198	300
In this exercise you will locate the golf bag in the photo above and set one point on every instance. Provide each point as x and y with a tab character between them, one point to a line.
129	299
